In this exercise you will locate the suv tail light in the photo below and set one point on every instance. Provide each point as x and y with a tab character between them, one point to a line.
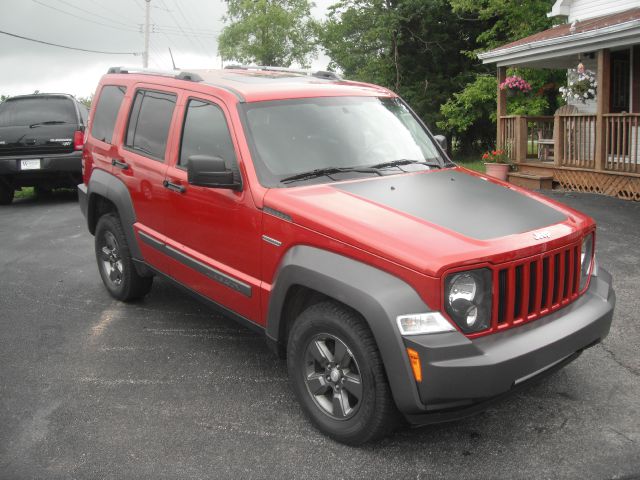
78	140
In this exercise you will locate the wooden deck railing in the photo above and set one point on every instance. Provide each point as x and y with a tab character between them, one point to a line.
578	142
508	136
622	138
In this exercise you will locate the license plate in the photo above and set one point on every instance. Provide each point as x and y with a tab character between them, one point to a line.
30	164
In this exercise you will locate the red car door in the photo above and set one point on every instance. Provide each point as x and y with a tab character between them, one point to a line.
141	163
213	234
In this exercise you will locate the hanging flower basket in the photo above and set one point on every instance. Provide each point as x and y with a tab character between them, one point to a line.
582	85
515	85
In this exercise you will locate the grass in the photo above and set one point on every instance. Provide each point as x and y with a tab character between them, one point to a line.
472	162
25	192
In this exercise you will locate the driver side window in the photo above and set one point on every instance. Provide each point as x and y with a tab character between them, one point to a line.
205	132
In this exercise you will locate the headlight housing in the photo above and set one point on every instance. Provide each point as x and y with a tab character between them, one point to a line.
467	299
587	259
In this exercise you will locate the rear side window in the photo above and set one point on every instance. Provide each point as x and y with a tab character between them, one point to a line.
104	120
149	123
37	110
206	133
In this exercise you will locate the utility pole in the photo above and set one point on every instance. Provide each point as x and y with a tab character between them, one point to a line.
147	19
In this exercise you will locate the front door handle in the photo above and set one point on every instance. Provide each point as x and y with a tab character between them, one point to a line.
176	187
119	164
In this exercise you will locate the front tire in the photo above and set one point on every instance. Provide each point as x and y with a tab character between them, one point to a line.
338	376
115	264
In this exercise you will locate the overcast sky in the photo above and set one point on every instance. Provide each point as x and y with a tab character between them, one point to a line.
189	27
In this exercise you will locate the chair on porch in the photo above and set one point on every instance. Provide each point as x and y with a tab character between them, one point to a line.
546	145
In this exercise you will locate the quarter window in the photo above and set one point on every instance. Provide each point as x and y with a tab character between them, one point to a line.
206	132
149	123
104	119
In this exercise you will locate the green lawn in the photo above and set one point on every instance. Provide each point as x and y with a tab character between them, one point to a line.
25	192
472	163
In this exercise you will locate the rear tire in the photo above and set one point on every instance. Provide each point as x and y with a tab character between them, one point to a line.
115	264
338	376
6	192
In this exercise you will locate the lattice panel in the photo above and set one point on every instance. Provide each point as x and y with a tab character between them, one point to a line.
627	188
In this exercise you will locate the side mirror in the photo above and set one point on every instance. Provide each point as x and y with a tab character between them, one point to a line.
442	141
207	171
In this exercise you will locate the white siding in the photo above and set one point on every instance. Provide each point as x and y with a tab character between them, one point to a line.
585	9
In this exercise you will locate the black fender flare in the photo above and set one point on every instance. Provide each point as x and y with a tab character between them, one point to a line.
110	187
377	295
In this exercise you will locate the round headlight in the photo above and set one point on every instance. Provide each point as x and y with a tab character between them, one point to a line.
463	287
468	299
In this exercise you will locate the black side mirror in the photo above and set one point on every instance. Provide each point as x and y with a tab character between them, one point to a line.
442	141
207	171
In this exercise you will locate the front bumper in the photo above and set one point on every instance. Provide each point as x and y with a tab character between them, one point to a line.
461	375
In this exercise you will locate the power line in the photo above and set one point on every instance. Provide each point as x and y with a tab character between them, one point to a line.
66	46
112	20
83	18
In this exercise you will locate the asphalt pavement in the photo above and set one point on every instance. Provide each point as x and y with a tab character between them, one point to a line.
165	388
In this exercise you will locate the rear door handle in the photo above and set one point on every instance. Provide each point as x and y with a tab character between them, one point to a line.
119	164
176	187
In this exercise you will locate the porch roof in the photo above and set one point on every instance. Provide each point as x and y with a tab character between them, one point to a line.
550	48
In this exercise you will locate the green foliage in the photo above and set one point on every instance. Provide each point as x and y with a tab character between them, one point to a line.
410	46
269	32
470	114
508	20
3	97
86	101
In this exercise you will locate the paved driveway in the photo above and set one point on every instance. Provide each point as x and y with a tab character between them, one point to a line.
164	388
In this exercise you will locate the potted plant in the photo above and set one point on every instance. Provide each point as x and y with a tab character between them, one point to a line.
582	85
497	164
514	85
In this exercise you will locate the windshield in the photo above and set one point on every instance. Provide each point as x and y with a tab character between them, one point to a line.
35	110
290	137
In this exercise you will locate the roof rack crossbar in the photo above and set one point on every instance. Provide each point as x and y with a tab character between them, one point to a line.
179	75
318	74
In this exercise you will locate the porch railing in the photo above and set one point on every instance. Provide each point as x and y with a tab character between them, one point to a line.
622	137
577	142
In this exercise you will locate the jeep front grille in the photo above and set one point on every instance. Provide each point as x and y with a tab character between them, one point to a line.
528	289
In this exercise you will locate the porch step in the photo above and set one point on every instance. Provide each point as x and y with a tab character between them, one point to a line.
530	181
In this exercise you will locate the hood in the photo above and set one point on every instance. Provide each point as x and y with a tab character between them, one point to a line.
429	221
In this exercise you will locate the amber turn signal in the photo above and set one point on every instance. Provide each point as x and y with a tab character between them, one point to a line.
414	358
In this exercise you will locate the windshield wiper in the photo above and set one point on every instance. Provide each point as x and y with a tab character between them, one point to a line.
404	161
48	122
328	171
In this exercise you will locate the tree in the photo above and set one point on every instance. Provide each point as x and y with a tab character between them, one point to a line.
470	114
410	46
269	32
86	101
3	97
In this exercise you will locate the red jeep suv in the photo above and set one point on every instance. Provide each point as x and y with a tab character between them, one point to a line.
323	214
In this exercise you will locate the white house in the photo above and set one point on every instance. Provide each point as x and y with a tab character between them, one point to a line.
596	143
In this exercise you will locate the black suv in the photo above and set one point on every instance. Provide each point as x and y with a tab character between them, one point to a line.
41	140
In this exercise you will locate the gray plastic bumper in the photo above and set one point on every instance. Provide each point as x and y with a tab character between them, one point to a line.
459	373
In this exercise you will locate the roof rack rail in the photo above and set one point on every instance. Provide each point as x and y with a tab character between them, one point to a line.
179	75
318	74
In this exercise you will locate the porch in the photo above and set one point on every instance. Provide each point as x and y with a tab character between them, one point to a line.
591	146
581	152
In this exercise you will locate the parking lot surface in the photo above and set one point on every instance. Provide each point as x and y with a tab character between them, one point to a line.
165	388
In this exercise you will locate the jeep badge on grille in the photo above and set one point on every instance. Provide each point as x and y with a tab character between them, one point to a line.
541	235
